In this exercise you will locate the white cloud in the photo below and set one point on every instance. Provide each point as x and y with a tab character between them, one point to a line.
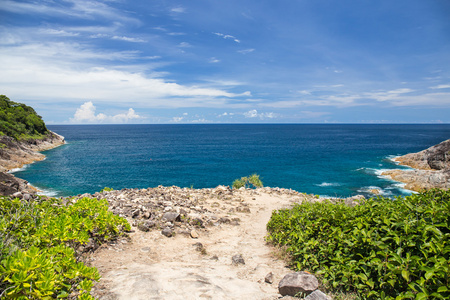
254	114
441	86
128	39
86	114
178	9
227	36
214	60
64	71
246	51
251	114
184	45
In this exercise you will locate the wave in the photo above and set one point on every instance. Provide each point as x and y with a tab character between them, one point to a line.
325	184
15	170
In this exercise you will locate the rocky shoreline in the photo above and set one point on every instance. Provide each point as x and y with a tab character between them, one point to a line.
431	168
15	154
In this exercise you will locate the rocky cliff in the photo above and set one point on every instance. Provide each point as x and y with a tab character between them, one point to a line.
17	153
431	168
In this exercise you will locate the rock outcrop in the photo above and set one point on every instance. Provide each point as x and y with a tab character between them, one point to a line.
16	154
432	168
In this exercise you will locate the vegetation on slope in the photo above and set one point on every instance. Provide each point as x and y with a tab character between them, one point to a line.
248	181
41	246
380	249
20	121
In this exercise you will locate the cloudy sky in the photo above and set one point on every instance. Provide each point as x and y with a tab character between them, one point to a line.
233	61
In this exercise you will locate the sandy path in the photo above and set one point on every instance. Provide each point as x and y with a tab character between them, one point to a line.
152	266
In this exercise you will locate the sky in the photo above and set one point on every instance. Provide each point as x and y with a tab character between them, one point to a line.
233	61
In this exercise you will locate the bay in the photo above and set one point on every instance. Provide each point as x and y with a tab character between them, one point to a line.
330	159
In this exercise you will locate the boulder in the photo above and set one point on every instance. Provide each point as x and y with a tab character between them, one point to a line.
298	282
317	295
170	217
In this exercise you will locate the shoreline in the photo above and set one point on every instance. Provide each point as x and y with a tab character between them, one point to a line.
429	168
16	155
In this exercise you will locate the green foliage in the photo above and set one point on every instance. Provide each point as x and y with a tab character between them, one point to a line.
381	249
250	181
106	189
19	120
37	242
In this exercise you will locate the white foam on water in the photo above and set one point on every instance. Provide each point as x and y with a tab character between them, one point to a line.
48	193
15	170
324	184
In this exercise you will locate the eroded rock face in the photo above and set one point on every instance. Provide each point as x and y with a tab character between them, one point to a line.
10	185
432	168
434	158
15	154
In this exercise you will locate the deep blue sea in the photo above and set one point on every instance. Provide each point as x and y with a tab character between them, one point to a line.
329	160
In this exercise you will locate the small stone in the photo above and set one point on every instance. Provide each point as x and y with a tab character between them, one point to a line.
238	259
26	197
145	249
17	195
167	232
146	215
194	234
146	225
269	278
135	213
198	246
317	295
298	282
171	217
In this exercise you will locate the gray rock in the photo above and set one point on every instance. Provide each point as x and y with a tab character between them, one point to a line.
146	225
26	196
269	278
298	282
167	232
317	295
238	260
17	195
170	217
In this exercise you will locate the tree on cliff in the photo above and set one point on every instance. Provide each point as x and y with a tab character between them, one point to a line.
20	121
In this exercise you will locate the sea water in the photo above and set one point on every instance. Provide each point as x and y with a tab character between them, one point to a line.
328	160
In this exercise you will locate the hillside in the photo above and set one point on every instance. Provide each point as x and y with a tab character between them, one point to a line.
20	121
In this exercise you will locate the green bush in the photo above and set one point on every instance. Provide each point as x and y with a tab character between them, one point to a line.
38	241
250	181
381	249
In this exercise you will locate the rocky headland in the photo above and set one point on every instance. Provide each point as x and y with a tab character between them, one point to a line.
431	168
17	153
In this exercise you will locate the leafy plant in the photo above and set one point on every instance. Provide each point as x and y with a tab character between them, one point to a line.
249	181
381	249
38	241
106	189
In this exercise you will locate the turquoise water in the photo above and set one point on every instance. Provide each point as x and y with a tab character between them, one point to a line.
332	160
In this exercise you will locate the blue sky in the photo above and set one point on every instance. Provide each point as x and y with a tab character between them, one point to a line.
198	61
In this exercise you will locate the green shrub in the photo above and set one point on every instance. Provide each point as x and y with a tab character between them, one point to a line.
250	181
381	249
37	242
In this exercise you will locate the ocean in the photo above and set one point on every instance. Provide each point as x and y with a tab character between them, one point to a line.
327	160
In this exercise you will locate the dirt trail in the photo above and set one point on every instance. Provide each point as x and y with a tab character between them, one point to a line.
152	266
